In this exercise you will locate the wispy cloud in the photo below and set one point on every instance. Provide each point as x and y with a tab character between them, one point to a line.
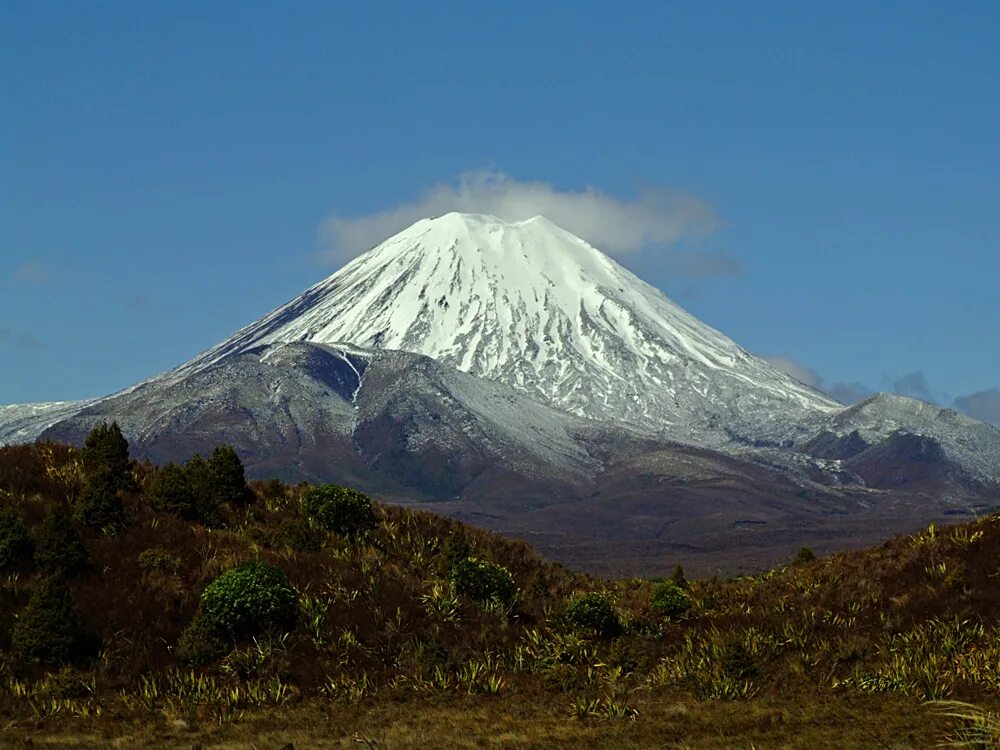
845	393
31	272
798	371
912	384
656	217
24	341
981	405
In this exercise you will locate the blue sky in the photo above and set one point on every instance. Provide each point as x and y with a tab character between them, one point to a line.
166	169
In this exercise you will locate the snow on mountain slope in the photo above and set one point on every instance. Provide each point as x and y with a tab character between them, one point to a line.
340	413
882	418
534	307
531	310
22	423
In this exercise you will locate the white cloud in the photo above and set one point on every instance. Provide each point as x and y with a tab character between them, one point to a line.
657	217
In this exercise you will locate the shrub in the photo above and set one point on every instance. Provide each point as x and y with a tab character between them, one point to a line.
803	556
669	599
67	683
228	480
483	580
158	560
678	576
202	642
171	492
48	630
100	505
250	599
274	489
593	613
341	510
736	662
106	451
455	549
58	546
299	534
15	543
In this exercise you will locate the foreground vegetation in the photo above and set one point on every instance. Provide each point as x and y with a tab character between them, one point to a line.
178	604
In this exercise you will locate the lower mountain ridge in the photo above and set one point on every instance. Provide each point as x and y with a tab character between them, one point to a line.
600	496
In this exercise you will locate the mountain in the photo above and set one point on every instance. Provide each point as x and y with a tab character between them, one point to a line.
23	423
530	305
407	428
895	441
511	374
394	422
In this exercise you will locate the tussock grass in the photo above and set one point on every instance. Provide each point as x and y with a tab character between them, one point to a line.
384	638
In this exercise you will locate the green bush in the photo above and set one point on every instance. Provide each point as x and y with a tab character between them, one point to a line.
299	534
58	545
736	662
344	511
678	576
202	642
483	580
274	489
100	505
803	556
593	613
229	484
48	630
158	560
455	549
171	492
15	542
250	599
66	683
669	599
106	451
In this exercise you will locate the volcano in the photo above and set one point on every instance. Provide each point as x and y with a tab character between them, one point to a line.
511	374
531	306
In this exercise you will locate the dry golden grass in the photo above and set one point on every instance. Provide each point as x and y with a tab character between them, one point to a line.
464	722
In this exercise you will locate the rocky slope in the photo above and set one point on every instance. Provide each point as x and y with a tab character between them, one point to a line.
389	421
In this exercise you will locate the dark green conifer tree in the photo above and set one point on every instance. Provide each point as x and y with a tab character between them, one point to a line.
200	477
58	545
228	476
106	450
171	492
15	542
100	505
48	630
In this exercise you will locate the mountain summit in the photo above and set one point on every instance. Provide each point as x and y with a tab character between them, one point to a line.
534	307
522	379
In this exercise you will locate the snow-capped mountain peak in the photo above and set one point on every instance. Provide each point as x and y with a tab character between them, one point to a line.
531	305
